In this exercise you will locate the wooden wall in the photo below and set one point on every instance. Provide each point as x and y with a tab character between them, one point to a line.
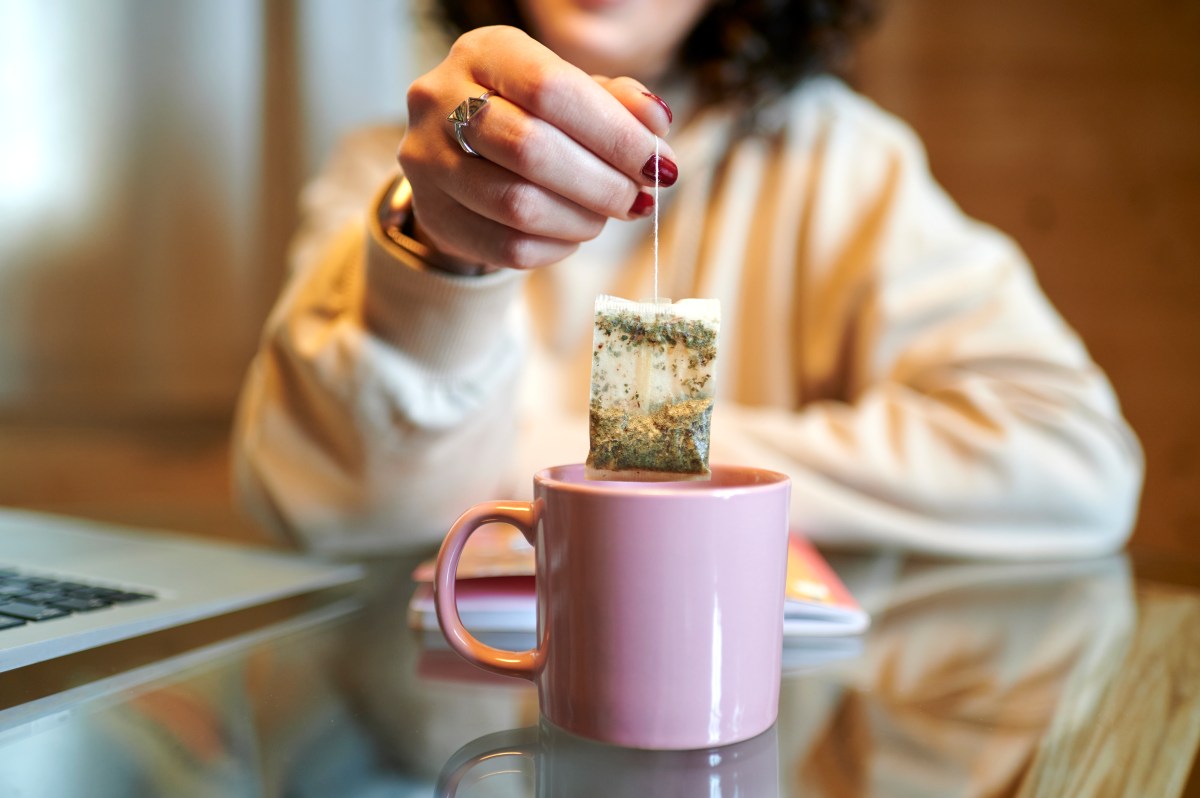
1074	125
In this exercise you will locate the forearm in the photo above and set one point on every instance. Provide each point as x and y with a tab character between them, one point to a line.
1011	467
381	401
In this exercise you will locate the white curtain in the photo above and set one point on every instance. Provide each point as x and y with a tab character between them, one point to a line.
150	157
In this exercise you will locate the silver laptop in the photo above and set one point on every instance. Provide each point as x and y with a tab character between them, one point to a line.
67	585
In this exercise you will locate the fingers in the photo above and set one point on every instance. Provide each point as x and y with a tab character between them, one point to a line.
533	149
530	76
475	210
650	109
561	152
490	191
467	236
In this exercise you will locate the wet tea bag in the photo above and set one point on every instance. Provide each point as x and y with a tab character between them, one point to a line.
653	374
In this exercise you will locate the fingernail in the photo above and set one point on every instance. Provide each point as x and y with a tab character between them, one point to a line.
642	205
668	172
663	103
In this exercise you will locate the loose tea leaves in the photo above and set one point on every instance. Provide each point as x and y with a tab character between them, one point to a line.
653	369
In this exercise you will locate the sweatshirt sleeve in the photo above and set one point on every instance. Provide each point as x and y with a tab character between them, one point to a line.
950	410
380	403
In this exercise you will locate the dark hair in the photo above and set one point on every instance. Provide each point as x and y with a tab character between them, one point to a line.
753	49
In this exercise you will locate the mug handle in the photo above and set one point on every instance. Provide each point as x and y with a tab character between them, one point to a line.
522	515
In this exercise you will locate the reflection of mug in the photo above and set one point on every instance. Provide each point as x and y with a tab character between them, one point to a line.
660	604
566	766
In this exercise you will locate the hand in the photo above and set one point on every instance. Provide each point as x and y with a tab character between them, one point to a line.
562	152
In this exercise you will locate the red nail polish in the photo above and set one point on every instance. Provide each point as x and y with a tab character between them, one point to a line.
642	205
663	103
668	172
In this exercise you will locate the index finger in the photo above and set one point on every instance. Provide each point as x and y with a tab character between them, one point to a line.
530	75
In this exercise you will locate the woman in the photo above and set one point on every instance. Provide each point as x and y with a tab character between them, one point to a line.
894	357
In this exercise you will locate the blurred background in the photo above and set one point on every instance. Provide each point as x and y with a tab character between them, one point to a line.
151	154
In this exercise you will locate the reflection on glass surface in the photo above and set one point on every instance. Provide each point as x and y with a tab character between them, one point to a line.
962	672
550	763
233	718
950	693
957	681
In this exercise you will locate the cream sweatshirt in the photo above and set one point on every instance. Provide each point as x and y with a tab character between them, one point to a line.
894	357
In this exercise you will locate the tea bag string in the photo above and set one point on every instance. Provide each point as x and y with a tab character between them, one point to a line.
656	162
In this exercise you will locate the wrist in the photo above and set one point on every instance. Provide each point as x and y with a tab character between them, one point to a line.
399	224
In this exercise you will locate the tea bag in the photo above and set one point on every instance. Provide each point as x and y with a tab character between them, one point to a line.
653	369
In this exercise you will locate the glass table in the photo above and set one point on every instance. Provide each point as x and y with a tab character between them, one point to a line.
975	679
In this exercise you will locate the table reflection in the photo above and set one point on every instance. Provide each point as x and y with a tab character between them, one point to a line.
950	693
551	763
960	676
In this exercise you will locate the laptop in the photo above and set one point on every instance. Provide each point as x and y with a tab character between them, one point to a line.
68	585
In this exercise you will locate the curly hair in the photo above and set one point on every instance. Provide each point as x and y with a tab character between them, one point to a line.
749	49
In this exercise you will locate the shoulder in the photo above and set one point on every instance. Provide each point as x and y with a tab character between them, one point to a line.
825	113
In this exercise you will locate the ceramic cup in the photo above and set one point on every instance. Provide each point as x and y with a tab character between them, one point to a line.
565	766
660	604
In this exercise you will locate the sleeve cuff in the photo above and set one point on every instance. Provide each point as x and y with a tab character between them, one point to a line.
441	319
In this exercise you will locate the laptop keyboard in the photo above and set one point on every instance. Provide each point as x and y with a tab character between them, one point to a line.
26	598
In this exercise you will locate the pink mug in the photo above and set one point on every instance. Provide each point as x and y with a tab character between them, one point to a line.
659	604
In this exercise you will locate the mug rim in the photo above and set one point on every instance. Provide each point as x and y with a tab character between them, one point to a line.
769	480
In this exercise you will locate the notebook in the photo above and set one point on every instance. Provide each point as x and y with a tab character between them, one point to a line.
67	585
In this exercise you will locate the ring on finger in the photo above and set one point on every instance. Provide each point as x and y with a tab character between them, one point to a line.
462	115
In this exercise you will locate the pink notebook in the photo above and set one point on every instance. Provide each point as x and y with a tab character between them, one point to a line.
496	589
